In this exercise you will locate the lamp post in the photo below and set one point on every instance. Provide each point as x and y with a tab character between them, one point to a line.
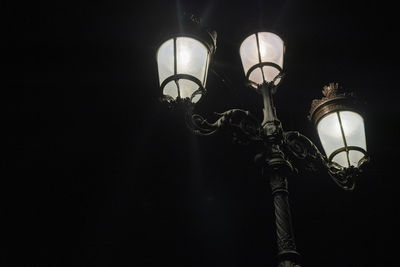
183	61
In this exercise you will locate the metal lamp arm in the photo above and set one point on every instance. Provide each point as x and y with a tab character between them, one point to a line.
305	153
243	126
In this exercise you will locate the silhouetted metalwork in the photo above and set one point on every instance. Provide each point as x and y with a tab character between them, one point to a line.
283	153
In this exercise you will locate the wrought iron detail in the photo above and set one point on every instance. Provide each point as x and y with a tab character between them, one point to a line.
330	92
335	98
283	152
272	132
262	64
284	229
179	103
303	151
288	256
243	126
345	177
288	150
348	148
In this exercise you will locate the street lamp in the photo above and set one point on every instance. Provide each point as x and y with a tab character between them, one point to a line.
262	58
183	61
340	127
182	67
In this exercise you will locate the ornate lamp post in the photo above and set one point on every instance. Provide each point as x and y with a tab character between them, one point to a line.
182	67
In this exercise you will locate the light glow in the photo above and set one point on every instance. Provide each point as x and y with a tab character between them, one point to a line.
192	58
271	50
330	133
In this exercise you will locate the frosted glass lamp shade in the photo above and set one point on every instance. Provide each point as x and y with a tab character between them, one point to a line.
182	68
342	136
262	57
340	127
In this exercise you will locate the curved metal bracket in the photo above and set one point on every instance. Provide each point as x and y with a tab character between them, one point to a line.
302	150
170	100
243	126
304	153
345	177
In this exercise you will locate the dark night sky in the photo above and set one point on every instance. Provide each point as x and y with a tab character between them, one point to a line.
96	171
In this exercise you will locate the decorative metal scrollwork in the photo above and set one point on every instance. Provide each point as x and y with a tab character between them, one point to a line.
303	152
243	126
179	103
301	149
344	177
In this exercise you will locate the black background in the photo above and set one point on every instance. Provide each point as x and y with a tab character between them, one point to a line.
96	171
